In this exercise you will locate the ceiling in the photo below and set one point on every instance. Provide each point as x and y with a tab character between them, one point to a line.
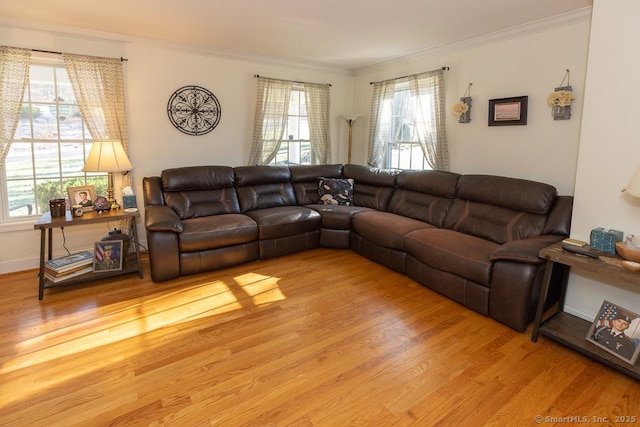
345	34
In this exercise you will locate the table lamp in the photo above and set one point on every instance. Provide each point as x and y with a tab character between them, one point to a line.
350	118
110	157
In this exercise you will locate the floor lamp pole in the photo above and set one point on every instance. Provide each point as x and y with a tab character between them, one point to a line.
350	118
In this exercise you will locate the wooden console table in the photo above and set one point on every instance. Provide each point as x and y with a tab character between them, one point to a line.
46	224
568	329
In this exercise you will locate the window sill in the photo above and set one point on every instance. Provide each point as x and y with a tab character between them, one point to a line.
18	225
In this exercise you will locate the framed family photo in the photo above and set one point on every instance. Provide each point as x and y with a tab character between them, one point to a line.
508	111
107	255
83	196
617	331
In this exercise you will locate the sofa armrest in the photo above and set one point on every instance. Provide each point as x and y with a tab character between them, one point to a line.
161	218
525	250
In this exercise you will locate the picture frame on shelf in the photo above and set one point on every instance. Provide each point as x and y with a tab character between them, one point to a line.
107	256
508	111
83	195
617	331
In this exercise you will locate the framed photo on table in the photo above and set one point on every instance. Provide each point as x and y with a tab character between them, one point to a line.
107	255
83	196
617	331
508	111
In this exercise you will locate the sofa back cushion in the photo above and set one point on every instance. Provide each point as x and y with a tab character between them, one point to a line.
424	195
198	191
305	180
372	187
261	187
500	209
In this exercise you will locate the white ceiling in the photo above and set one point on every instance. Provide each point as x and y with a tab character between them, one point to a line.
346	34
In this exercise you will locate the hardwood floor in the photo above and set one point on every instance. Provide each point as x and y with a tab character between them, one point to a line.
321	338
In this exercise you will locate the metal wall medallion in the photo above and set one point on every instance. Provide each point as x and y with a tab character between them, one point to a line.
194	110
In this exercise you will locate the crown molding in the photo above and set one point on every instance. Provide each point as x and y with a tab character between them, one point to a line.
542	25
124	39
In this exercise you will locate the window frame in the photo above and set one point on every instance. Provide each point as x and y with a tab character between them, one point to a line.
55	64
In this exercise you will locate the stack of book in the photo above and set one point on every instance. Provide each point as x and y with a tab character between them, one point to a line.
68	266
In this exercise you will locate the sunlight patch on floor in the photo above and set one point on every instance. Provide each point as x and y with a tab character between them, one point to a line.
262	289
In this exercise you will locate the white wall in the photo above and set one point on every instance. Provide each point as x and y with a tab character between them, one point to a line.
609	149
153	72
530	61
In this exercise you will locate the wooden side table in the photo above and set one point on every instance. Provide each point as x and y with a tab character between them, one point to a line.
568	329
46	224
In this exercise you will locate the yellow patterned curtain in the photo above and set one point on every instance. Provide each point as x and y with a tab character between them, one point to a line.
98	84
14	76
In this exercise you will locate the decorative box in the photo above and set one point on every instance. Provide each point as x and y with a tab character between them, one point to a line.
605	239
129	201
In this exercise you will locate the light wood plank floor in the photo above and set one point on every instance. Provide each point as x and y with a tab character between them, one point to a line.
321	338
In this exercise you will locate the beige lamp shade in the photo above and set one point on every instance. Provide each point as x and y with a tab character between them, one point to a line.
633	186
107	156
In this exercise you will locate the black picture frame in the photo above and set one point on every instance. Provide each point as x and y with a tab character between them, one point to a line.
624	346
508	111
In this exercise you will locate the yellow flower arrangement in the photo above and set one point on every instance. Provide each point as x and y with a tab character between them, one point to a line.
561	98
459	108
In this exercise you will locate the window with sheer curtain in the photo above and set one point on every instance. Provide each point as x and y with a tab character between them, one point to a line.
44	153
291	123
408	123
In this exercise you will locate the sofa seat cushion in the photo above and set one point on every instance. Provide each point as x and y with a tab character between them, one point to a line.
338	217
458	253
386	229
216	231
285	221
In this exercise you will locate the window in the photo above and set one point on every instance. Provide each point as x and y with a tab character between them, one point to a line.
49	147
403	150
408	123
295	147
291	123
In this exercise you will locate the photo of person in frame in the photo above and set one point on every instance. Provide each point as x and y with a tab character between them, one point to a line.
107	255
82	199
611	330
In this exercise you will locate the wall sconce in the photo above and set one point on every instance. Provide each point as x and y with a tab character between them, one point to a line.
350	118
108	156
462	109
560	100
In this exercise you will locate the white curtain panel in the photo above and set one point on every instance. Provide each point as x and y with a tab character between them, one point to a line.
14	76
318	102
272	108
380	128
428	99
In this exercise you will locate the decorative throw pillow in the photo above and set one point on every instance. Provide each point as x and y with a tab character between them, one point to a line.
335	191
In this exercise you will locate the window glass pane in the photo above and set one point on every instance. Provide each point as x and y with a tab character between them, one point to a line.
65	92
47	159
45	124
304	129
73	155
21	198
19	161
42	83
72	126
292	128
294	103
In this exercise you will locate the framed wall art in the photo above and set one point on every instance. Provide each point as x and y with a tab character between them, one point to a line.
617	331
83	196
508	111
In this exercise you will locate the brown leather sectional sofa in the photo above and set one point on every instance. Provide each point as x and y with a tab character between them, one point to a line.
473	238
